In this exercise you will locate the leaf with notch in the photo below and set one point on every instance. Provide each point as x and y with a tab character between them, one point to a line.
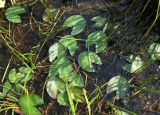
13	13
135	64
99	21
69	42
118	84
154	51
63	99
77	81
51	88
99	39
28	104
86	60
77	22
54	86
56	51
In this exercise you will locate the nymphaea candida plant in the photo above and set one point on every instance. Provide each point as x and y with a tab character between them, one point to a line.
65	82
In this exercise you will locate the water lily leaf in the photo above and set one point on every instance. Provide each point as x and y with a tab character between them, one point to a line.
56	51
51	88
23	75
65	71
154	51
18	88
12	76
2	3
26	74
7	87
60	85
99	39
53	71
99	21
77	81
64	68
135	64
69	42
72	76
13	13
28	104
77	22
54	86
86	60
63	99
49	13
118	84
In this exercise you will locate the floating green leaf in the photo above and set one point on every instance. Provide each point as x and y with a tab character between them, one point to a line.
118	84
99	21
86	60
63	99
54	85
12	76
154	51
23	75
60	85
13	13
7	87
69	42
77	81
28	104
77	22
99	39
51	87
53	71
56	51
135	64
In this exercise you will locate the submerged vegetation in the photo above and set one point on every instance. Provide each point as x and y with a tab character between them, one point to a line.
55	54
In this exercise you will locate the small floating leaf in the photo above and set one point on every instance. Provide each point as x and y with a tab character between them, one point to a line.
69	42
154	51
51	87
63	99
56	51
99	39
26	74
12	76
135	64
77	81
86	60
118	84
53	71
99	21
13	13
7	87
77	22
28	104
